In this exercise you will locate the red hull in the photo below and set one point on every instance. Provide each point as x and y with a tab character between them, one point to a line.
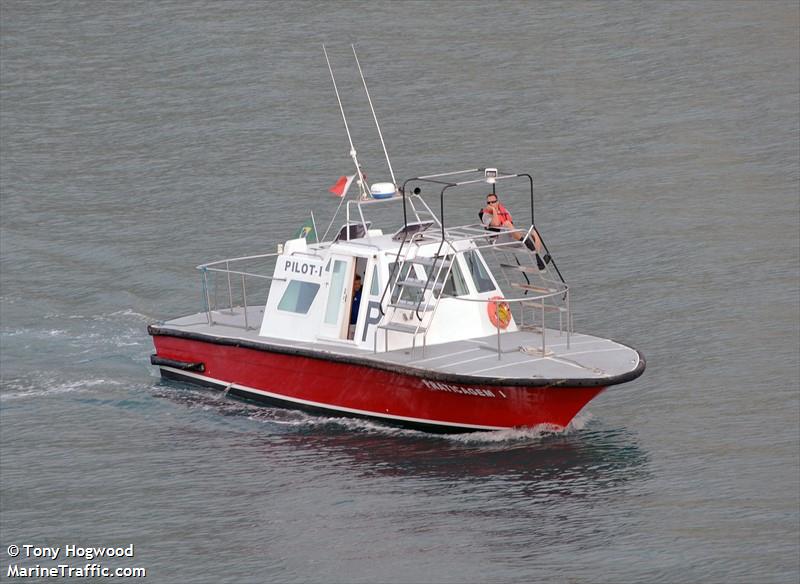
360	390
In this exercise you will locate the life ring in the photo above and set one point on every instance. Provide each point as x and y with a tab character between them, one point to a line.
499	312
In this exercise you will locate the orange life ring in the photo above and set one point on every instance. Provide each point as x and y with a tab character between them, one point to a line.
499	312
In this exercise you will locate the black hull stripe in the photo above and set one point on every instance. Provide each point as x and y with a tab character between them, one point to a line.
156	330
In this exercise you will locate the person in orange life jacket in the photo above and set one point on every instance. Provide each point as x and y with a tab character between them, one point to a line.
496	217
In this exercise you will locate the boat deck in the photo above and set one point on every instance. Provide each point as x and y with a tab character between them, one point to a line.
587	358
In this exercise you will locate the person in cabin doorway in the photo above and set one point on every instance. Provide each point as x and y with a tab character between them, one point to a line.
496	217
354	306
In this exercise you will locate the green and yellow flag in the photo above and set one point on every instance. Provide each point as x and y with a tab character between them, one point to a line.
307	230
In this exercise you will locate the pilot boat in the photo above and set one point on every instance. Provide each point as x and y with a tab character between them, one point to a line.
420	324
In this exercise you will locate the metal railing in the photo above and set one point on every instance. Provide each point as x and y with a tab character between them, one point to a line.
219	278
536	304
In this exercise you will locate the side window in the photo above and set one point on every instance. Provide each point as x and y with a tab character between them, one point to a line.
298	297
455	285
375	287
478	271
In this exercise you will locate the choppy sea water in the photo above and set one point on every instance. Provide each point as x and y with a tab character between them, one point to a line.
138	140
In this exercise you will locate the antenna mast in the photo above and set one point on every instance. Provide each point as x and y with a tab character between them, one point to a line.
375	117
359	174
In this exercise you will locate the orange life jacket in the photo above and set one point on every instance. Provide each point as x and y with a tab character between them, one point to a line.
502	213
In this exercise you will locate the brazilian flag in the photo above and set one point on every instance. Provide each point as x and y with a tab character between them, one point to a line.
306	230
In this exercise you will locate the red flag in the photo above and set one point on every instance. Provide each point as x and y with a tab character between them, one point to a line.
341	186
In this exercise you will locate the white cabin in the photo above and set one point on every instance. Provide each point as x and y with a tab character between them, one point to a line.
313	287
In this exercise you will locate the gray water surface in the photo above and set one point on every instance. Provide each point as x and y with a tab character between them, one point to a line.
140	139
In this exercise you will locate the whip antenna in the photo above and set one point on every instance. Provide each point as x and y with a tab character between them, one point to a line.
375	117
359	174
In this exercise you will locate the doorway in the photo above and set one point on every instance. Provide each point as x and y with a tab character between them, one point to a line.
343	305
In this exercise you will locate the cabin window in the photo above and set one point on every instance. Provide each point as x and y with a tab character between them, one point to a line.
455	285
375	286
480	275
298	296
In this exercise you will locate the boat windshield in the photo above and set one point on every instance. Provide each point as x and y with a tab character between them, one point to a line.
456	285
480	275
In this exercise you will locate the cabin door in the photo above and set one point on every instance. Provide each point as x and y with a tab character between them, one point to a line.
336	318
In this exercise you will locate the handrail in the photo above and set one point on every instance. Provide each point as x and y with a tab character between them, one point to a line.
447	174
540	298
393	275
428	280
430	275
254	257
224	269
221	271
371	245
307	253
